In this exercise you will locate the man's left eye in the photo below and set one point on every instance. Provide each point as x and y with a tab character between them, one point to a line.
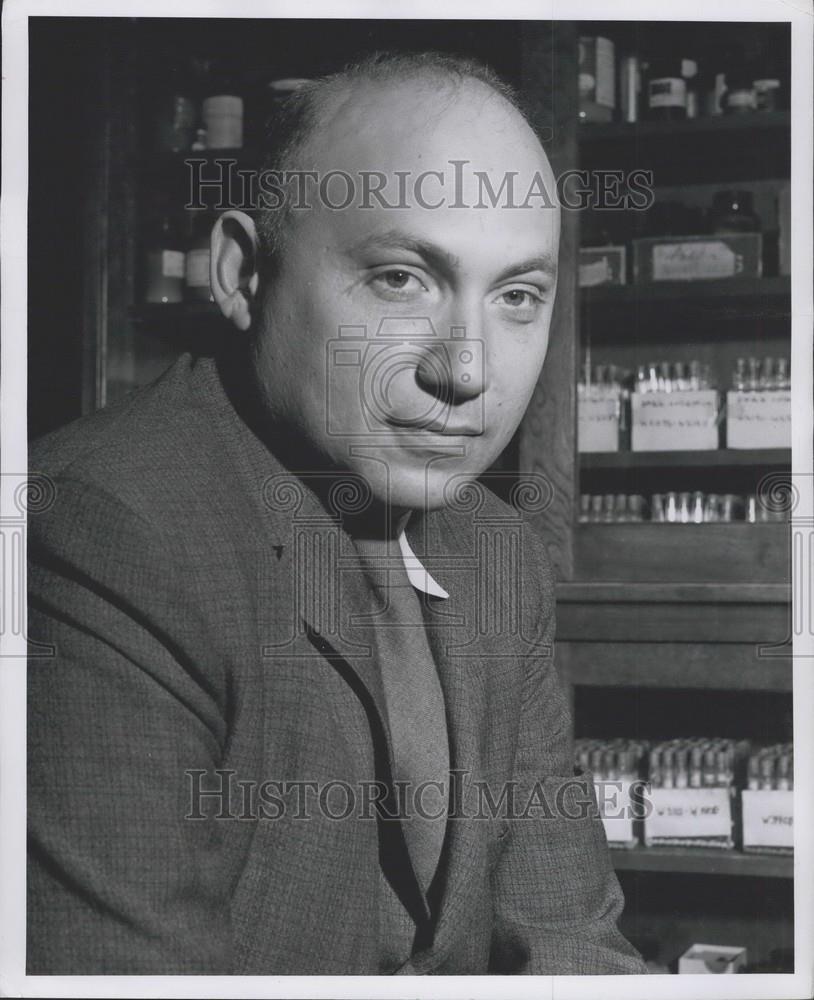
518	297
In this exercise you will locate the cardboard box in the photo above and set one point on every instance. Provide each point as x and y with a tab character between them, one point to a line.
602	266
758	419
768	820
675	421
697	258
598	417
700	959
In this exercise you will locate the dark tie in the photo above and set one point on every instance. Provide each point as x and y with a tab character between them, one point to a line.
415	703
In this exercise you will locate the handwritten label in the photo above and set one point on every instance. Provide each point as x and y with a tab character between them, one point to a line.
695	260
758	419
768	818
675	421
688	813
598	424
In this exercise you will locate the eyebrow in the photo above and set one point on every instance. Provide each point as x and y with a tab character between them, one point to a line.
395	239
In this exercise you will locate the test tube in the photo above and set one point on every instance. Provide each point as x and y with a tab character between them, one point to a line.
654	768
671	508
684	513
739	375
682	778
657	508
697	516
766	380
782	380
708	771
766	766
668	767
696	760
642	379
782	781
711	508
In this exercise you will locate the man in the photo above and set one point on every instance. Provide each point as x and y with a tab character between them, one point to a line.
302	715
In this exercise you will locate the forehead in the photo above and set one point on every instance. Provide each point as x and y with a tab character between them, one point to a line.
454	160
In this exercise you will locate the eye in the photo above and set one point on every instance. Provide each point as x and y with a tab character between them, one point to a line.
397	283
520	304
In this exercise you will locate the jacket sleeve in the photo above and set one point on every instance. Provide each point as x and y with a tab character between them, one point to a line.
120	881
557	898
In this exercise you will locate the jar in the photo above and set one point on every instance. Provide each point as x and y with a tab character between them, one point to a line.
667	88
223	120
597	79
739	96
196	269
175	123
766	94
164	265
733	212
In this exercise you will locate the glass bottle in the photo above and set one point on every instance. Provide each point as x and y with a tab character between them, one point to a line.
164	263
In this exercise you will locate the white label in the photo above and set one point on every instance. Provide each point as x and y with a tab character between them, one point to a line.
768	818
598	424
675	421
758	419
198	268
688	813
616	810
668	92
172	264
695	261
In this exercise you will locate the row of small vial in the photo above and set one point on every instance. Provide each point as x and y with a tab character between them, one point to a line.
771	768
748	375
692	763
675	508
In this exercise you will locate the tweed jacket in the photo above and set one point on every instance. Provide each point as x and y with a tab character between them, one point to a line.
210	633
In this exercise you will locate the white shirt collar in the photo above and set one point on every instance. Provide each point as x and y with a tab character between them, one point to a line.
416	574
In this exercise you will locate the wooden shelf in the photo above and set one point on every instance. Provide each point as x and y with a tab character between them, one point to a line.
683	130
702	861
720	149
726	289
721	458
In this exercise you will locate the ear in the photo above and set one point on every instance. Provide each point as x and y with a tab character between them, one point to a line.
233	268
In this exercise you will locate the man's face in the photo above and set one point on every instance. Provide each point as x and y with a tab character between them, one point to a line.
403	343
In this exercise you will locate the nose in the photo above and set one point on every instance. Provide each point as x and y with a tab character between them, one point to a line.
453	368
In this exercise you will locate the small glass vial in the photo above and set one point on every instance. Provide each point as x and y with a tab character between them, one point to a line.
608	511
657	508
712	512
671	508
684	511
584	508
596	508
739	375
635	504
697	513
620	512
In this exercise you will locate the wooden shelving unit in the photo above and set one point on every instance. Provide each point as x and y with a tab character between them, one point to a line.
702	861
721	458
